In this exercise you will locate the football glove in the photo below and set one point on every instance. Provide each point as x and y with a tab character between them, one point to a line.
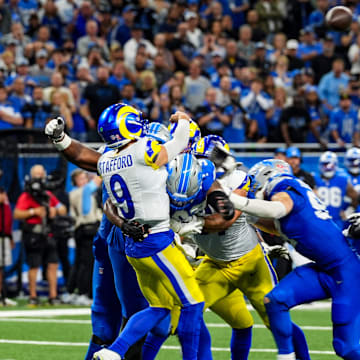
276	251
194	226
136	231
353	230
55	129
221	204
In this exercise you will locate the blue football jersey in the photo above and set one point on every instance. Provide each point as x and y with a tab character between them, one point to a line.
309	226
332	193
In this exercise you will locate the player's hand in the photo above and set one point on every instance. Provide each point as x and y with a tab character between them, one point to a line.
218	200
136	231
353	230
223	160
55	129
276	251
194	226
179	115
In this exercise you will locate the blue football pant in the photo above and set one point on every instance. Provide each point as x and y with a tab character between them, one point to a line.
309	283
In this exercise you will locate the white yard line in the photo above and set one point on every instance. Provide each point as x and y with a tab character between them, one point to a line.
165	347
87	322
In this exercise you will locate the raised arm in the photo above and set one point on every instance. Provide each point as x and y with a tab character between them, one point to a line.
77	153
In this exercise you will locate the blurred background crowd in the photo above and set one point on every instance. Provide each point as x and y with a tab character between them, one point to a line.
258	72
251	71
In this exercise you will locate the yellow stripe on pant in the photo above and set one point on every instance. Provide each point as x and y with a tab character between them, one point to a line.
224	283
166	279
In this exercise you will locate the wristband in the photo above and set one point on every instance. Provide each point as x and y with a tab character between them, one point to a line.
63	144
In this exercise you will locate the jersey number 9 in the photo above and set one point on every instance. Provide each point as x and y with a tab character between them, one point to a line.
118	185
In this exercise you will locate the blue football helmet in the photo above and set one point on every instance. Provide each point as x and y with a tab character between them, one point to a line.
352	161
119	124
158	132
328	163
195	133
204	146
263	172
184	180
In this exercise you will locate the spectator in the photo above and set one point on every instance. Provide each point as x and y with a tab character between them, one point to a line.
224	93
131	46
60	107
8	63
66	10
52	20
181	48
232	59
6	244
176	98
195	86
16	34
354	57
260	61
87	214
238	10
270	16
292	46
147	17
344	124
273	115
98	97
279	46
211	117
22	70
83	77
79	130
317	17
161	70
246	47
322	63
332	83
122	31
194	34
36	207
118	77
78	27
37	111
161	110
43	40
18	99
40	72
90	39
281	74
293	158
128	97
161	48
57	85
280	153
9	117
5	20
309	48
252	18
295	122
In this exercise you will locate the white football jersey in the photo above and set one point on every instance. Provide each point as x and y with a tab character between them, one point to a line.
135	185
240	238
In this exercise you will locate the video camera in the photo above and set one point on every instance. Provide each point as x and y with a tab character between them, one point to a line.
36	187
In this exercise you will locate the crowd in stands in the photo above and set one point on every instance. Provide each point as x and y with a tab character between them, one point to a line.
255	71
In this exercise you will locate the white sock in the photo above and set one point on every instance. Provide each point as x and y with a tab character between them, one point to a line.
286	356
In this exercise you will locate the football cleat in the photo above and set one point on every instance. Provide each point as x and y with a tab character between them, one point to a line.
106	354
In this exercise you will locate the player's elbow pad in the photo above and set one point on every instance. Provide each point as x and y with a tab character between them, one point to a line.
179	141
220	202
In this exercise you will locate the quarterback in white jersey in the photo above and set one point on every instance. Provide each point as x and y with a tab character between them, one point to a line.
135	178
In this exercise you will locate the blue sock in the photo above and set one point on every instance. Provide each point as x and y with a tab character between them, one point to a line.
137	327
152	346
189	330
204	352
281	326
240	343
93	348
300	344
155	338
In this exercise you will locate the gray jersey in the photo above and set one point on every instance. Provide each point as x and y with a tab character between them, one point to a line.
239	239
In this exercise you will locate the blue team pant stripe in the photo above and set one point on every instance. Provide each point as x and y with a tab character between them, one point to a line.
272	271
175	278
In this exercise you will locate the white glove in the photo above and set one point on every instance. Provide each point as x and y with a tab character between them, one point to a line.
186	229
55	129
278	251
354	218
349	212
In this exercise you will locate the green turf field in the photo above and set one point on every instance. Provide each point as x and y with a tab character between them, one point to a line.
58	337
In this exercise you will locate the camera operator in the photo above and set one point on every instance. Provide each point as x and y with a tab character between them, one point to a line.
6	243
85	209
37	206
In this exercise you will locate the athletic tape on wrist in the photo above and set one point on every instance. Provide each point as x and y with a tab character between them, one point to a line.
63	144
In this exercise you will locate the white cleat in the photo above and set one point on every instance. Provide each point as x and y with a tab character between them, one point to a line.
106	354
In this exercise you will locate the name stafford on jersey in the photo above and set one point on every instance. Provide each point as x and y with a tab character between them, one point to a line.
115	164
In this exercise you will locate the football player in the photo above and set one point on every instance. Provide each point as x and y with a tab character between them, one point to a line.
160	266
332	187
287	206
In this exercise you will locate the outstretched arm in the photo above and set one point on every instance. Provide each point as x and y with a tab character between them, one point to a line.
77	153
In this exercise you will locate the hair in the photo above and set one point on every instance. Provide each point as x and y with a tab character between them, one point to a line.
74	174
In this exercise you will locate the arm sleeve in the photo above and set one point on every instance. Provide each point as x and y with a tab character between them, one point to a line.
260	208
180	139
